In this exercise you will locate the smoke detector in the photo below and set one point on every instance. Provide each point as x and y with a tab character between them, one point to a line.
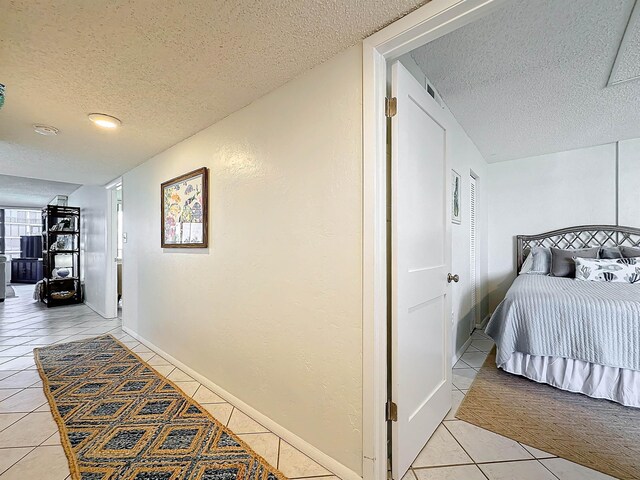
46	130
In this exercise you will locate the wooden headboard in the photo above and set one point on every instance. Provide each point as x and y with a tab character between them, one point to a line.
578	237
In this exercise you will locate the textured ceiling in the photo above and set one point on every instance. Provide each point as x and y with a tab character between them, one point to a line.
531	78
167	69
29	192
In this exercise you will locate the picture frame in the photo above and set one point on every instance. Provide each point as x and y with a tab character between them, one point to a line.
456	198
184	210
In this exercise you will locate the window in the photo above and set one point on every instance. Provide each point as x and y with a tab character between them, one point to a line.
17	223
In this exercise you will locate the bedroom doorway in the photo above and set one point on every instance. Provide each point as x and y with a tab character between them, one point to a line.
474	254
115	247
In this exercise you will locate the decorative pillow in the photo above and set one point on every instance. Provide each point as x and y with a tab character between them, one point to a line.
541	261
625	270
527	265
630	252
611	252
562	261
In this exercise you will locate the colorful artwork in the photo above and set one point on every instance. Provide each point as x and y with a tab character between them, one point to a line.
456	186
184	211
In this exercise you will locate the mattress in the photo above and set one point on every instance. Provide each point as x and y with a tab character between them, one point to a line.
594	322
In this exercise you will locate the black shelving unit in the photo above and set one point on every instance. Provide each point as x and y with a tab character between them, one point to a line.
61	255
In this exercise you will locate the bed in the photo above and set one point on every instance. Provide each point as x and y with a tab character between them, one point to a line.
579	336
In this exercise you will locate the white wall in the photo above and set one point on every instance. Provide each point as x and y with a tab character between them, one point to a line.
272	310
94	262
629	192
465	158
537	194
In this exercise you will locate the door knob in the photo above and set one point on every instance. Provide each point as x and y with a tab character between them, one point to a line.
453	278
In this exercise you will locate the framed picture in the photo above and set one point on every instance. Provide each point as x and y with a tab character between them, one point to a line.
456	201
185	210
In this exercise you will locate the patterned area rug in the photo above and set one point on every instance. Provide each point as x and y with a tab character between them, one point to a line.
120	419
598	434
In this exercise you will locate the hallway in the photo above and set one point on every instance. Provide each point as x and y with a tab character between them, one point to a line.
29	440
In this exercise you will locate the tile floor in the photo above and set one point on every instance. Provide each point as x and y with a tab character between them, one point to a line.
461	451
30	443
29	440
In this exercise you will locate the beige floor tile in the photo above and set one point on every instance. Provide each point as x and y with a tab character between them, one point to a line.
204	395
19	363
53	439
295	464
219	411
7	419
460	364
482	345
141	348
530	470
157	360
537	453
463	377
460	472
456	400
29	431
264	444
9	456
566	470
145	355
25	400
409	475
474	359
8	392
179	376
17	351
7	373
485	446
242	423
441	449
189	388
43	463
22	379
164	370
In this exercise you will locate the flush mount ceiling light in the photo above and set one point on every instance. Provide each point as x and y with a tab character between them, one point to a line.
105	121
47	130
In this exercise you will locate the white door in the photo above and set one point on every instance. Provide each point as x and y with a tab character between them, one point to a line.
420	256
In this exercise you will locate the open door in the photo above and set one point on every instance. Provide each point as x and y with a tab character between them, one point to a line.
420	265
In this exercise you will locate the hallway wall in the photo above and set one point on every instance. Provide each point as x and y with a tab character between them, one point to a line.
272	310
94	259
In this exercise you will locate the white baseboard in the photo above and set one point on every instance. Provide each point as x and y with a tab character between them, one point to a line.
305	447
485	320
461	350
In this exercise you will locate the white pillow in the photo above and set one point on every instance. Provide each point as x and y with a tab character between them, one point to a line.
623	270
527	265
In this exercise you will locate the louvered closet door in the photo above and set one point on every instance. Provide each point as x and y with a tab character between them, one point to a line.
473	245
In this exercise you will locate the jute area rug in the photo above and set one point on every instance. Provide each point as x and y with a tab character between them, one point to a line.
120	419
598	434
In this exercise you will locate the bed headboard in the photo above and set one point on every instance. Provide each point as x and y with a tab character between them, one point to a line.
578	237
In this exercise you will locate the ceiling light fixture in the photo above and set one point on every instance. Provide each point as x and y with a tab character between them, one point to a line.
104	121
46	130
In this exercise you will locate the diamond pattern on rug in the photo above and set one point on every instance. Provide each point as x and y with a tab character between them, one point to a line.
119	419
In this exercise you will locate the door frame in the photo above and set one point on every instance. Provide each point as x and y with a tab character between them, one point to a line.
433	20
111	290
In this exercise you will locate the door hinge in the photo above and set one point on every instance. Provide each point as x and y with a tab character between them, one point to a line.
390	106
392	411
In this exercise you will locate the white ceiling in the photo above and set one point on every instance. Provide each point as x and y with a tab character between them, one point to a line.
166	69
30	192
531	78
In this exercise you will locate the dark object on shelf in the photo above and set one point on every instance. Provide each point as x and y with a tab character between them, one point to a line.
61	255
26	270
31	246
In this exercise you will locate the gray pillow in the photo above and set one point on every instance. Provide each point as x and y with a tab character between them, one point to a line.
541	261
610	253
630	252
562	264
